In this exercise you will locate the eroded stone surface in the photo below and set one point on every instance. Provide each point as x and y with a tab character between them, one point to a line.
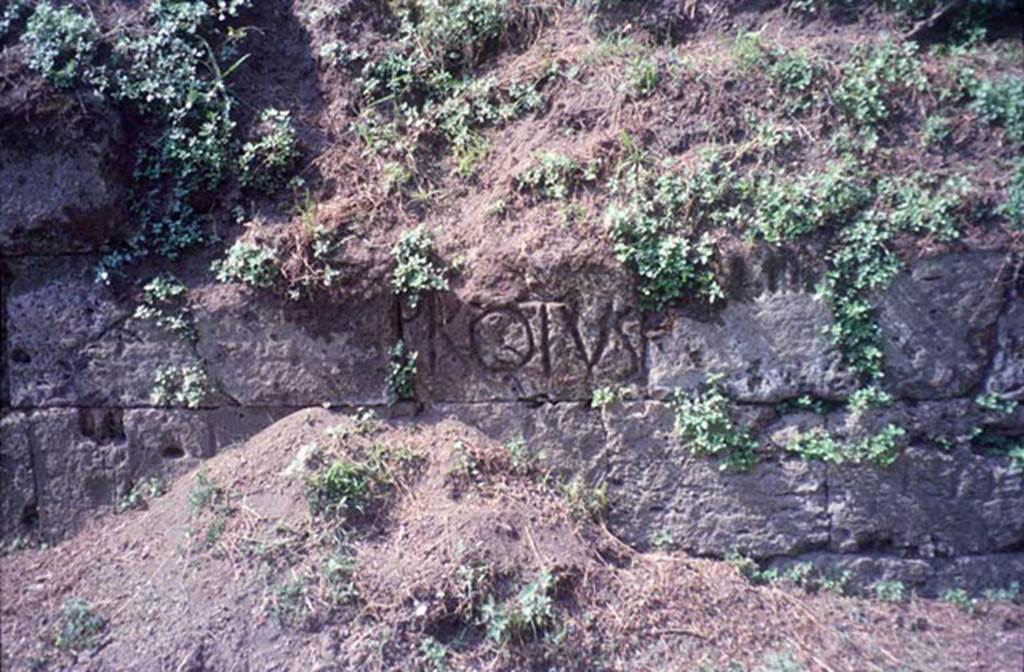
70	342
84	459
568	437
767	349
1007	375
17	485
657	485
931	503
61	196
938	320
273	352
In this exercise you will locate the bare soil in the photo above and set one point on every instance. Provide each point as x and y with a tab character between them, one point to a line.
187	588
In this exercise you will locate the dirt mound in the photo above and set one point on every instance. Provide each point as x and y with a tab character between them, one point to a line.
334	542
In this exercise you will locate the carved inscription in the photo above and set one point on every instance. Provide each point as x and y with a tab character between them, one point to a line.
529	347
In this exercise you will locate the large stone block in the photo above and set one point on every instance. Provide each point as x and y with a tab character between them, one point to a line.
1007	373
568	437
555	349
81	457
655	484
939	320
17	483
70	342
268	351
767	349
60	465
931	503
62	192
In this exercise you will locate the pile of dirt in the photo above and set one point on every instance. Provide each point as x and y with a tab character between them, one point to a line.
457	554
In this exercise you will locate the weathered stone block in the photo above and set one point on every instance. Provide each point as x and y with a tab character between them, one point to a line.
523	350
568	437
1007	374
930	503
83	459
767	349
657	485
17	484
71	342
266	351
939	320
79	461
65	195
168	441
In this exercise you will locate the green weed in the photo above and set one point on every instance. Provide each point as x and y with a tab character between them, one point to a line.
268	161
524	617
176	385
79	626
164	302
141	493
874	78
656	221
205	494
585	501
555	176
816	444
961	600
642	77
1008	595
1013	207
1000	102
603	397
341	490
994	402
889	591
401	381
249	264
416	268
704	424
434	654
64	46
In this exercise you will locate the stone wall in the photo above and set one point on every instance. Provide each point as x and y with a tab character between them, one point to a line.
79	428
